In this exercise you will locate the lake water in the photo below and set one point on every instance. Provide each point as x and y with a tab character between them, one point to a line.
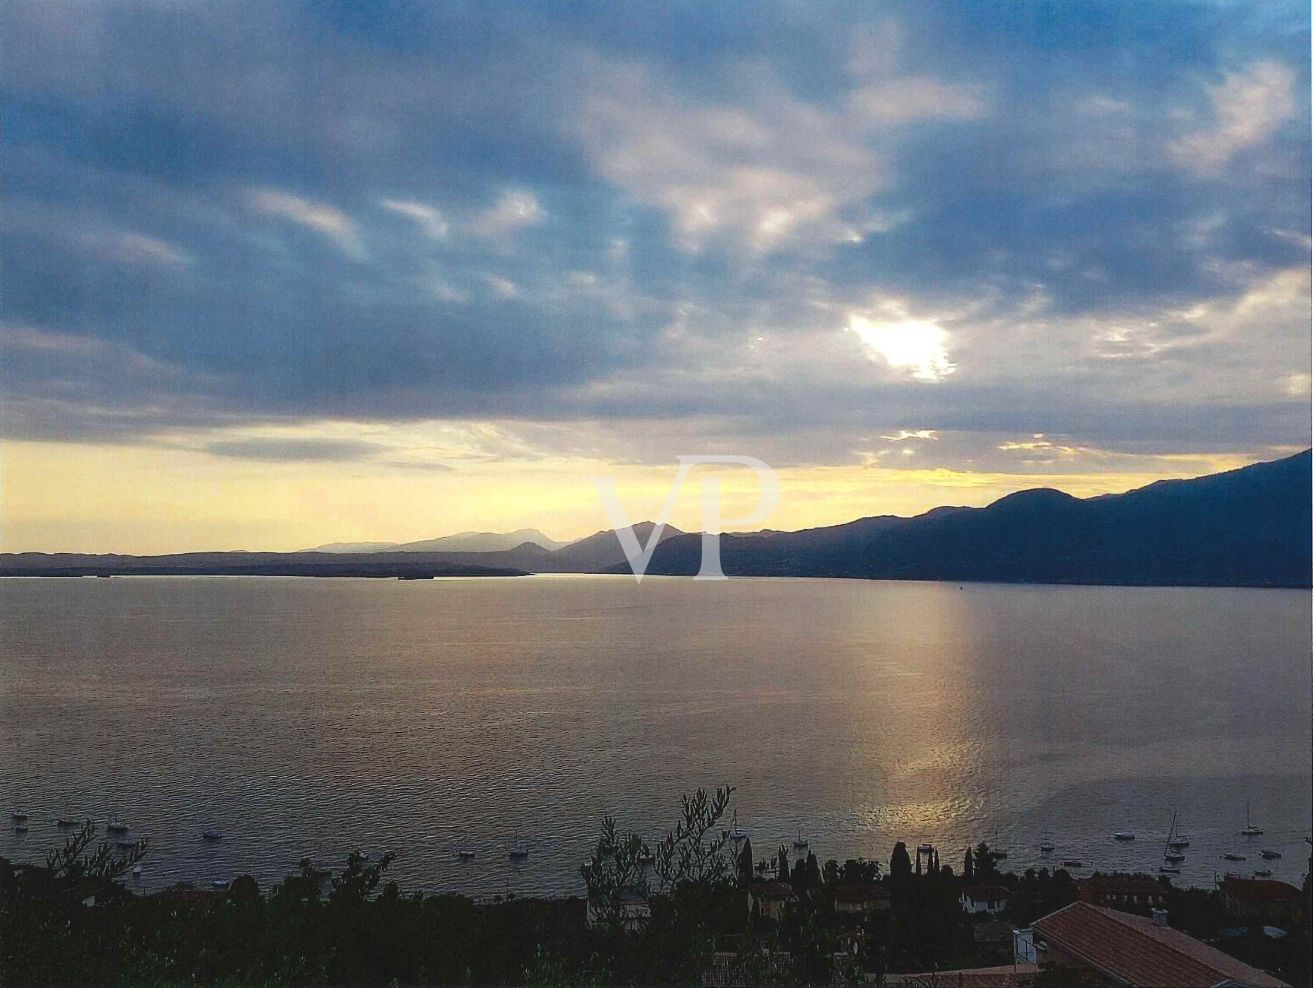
308	717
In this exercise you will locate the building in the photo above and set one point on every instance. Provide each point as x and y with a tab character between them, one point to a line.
984	899
771	899
992	939
1261	899
862	899
1131	893
1118	946
631	909
1008	976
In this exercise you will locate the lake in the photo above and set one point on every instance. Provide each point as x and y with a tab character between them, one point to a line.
309	717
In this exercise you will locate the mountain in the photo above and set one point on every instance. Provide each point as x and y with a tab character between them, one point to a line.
1246	527
461	542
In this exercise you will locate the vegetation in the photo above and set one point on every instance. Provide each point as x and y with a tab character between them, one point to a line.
651	915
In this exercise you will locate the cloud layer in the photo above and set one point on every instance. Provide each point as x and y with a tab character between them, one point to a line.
1012	241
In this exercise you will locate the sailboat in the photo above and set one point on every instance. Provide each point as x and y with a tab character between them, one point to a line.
736	833
1171	852
1250	830
800	841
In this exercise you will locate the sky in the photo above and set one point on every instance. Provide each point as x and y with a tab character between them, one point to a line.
279	274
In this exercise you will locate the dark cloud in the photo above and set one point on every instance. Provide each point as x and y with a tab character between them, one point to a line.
248	213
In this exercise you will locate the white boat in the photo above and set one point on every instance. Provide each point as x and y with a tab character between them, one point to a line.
465	855
1262	873
1172	853
1174	857
737	833
137	871
116	826
1124	835
1233	856
1170	870
65	821
519	851
219	883
800	841
1250	830
1179	842
1047	848
1271	855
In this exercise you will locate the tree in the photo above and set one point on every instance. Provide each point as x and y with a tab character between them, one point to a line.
782	864
744	865
968	864
983	863
900	864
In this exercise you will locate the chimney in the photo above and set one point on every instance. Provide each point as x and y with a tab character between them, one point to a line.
1161	917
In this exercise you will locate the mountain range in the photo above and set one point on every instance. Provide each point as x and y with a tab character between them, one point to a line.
1246	527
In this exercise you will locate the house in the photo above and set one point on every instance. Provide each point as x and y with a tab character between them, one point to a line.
993	938
862	899
1131	893
1261	899
630	908
1008	976
771	898
990	899
1119	946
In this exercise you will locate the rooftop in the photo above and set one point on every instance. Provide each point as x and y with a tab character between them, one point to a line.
1260	889
986	892
861	893
1138	951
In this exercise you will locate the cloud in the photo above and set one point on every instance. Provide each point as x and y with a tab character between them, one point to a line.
293	450
514	210
913	345
1248	107
427	218
326	221
760	168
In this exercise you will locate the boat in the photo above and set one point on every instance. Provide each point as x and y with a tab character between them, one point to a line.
65	821
219	883
801	842
1271	855
1250	830
1262	873
137	871
465	855
116	826
647	861
999	855
212	836
1071	863
1170	870
1233	856
518	853
1047	848
737	833
1179	842
20	828
1172	854
1124	835
18	816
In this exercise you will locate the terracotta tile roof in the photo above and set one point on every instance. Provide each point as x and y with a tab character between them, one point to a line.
1119	884
985	893
1139	952
1007	976
1260	890
861	893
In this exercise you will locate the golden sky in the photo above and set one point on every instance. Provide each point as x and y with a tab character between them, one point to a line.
156	499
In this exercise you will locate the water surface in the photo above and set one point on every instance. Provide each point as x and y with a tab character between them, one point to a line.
308	717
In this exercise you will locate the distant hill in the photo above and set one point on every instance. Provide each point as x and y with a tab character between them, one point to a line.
1246	527
461	542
